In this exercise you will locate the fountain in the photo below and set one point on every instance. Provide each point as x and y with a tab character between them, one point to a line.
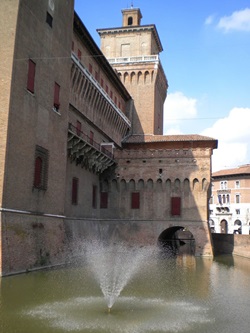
114	265
127	289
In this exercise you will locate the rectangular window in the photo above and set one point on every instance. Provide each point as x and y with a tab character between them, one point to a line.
72	46
41	168
104	200
135	200
115	100
94	192
238	211
78	128
90	68
111	94
31	76
175	206
56	96
102	83
237	198
49	19
74	198
79	55
107	89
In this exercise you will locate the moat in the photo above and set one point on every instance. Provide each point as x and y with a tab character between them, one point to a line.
182	294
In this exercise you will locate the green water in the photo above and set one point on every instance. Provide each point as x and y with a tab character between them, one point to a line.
178	295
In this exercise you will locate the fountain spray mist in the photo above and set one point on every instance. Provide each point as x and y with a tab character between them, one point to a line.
114	265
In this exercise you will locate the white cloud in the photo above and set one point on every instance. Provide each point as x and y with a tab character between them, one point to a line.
178	107
233	134
239	21
209	20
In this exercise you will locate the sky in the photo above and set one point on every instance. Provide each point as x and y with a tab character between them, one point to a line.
206	59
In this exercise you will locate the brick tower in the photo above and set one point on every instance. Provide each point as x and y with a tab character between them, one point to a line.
133	51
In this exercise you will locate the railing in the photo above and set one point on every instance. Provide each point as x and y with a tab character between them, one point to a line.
99	87
148	58
90	140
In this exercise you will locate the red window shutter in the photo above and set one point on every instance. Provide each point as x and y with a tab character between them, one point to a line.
135	200
38	172
94	196
74	191
79	55
31	76
175	206
56	96
104	200
78	127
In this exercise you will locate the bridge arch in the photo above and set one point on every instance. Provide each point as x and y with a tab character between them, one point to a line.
176	240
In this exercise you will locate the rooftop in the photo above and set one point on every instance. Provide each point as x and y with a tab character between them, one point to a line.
241	170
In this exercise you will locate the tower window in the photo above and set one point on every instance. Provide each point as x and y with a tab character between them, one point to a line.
41	168
130	20
175	206
135	200
56	96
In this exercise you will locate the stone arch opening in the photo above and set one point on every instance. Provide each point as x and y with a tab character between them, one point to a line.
237	227
175	241
224	227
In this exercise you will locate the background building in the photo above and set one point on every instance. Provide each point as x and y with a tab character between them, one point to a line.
230	201
81	150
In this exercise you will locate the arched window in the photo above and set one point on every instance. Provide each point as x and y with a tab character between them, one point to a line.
130	20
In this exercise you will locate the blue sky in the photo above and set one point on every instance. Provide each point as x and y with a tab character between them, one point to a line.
206	58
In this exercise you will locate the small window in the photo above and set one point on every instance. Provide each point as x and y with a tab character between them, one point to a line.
72	46
31	76
74	198
94	199
111	94
238	211
96	76
90	68
107	89
237	198
56	96
102	82
135	200
175	206
41	168
237	184
49	19
104	200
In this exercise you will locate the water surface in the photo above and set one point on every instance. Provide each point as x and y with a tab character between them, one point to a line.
185	294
